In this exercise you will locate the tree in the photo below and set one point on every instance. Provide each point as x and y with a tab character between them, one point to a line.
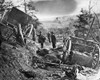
31	6
83	23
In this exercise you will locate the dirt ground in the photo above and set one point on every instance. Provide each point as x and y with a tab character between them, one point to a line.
12	59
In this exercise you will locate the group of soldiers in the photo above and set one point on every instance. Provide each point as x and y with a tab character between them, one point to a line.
51	39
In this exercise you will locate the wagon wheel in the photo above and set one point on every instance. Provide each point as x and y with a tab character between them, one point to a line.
95	57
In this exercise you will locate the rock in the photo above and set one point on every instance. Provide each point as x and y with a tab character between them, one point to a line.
56	75
71	72
52	58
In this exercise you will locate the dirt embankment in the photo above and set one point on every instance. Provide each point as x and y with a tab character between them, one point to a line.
11	60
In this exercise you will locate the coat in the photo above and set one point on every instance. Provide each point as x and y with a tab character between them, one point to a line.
41	39
53	38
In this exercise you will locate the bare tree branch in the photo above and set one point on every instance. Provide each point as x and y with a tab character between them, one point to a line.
97	19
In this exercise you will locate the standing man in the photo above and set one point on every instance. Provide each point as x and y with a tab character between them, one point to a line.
48	35
41	39
53	40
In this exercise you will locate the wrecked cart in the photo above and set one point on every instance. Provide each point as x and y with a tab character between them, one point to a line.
85	52
16	25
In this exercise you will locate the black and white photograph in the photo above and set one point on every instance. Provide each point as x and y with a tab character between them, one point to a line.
49	39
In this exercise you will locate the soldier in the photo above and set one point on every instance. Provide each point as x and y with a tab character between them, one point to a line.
41	39
53	40
48	35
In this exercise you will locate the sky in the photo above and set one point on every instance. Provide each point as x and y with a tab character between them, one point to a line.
49	9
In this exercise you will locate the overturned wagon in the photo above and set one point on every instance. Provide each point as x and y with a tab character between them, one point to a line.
85	52
16	25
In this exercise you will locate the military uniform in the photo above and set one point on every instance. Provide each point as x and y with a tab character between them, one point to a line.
53	40
41	39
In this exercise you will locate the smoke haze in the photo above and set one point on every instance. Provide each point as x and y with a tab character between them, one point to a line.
56	7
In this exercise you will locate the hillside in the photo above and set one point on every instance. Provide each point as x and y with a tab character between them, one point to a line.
59	22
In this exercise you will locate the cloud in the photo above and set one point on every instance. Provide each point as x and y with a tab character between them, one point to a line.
53	8
56	7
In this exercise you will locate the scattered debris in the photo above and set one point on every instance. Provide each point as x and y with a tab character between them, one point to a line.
42	52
